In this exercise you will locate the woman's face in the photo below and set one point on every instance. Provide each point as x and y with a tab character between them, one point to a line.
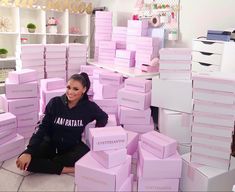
74	90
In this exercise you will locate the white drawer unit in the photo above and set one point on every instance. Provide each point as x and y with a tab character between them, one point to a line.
204	67
208	46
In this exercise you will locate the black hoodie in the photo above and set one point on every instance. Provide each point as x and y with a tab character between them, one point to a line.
64	126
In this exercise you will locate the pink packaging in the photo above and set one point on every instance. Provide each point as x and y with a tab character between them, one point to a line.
102	37
104	14
32	48
7	136
31	56
104	29
55	55
124	62
158	144
106	91
53	74
55	48
149	69
119	30
175	54
48	95
107	138
7	121
106	61
52	84
77	54
175	74
19	106
110	106
58	68
118	38
87	69
173	65
131	46
127	185
138	84
110	158
131	40
27	119
148	41
107	54
133	116
32	62
23	76
137	31
144	56
132	142
12	148
111	78
137	23
55	61
107	45
92	176
144	128
125	54
77	47
167	168
133	99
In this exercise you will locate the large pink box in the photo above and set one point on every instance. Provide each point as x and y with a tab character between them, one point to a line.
154	167
31	56
133	99
127	185
110	106
140	128
55	48
137	31
124	62
148	41
55	61
27	119
12	148
92	176
107	138
77	47
132	142
31	48
23	76
137	23
32	62
19	106
17	91
48	95
7	135
175	54
138	84
110	78
52	84
110	158
158	144
7	121
107	45
133	116
105	91
119	30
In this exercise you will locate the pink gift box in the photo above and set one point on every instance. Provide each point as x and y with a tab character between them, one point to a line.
48	95
125	54
124	62
52	84
110	158
55	61
32	48
138	85
118	38
133	99
32	62
16	91
132	142
140	128
148	41
19	106
77	54
106	91
55	55
23	76
107	138
26	134
102	37
174	65
7	136
104	29
133	116
100	22
111	78
131	46
27	119
175	74
144	56
107	45
53	74
175	54
77	47
31	56
158	144
105	54
58	68
12	148
87	69
7	121
137	31
127	185
167	168
131	40
55	48
119	30
137	23
104	14
147	50
110	106
92	176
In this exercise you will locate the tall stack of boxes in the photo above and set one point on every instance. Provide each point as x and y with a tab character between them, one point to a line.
119	36
22	99
107	50
124	58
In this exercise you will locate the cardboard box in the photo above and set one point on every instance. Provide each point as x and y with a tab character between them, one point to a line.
52	84
23	76
138	85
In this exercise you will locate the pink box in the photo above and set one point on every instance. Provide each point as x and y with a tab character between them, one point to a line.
106	91
104	14
102	37
107	138
138	84
158	144
12	148
133	99
32	56
52	68
119	30
137	23
137	31
124	62
145	57
92	176
118	38
110	158
173	65
27	119
7	122
131	40
127	185
175	74
55	55
87	69
7	136
110	106
32	48
23	76
52	84
55	48
167	168
111	78
107	45
103	23
32	62
133	116
17	91
53	74
175	54
106	61
132	142
55	61
76	47
125	54
148	41
77	54
48	95
25	133
104	29
140	128
19	106
106	54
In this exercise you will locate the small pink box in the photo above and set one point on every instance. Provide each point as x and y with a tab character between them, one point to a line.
19	106
118	38
133	99
23	76
12	148
7	121
175	54
17	91
55	48
32	56
48	95
110	158
132	142
104	14
131	46
124	62
77	54
87	69
8	135
111	78
55	55
137	31
104	29
138	85
32	48
107	138
148	41
168	168
110	106
106	91
32	62
158	144
119	30
107	54
127	185
26	133
53	74
140	128
133	116
55	61
144	56
52	84
137	23
125	54
131	40
102	37
92	176
27	119
175	74
76	47
52	68
149	68
107	44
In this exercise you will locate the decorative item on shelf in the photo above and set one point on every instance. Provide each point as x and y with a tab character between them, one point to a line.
23	40
52	25
5	24
155	21
3	53
164	18
173	35
31	27
74	30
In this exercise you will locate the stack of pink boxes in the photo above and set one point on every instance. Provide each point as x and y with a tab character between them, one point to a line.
125	58
55	60
175	63
50	88
107	166
76	56
147	48
106	89
22	99
11	144
213	119
107	50
103	28
160	165
119	36
31	57
134	110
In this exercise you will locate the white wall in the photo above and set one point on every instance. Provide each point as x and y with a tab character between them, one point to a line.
196	16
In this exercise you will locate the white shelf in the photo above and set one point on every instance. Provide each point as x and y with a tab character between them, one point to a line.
32	33
9	33
125	71
8	59
57	34
78	35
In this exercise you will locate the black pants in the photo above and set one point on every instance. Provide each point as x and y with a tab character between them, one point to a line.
47	160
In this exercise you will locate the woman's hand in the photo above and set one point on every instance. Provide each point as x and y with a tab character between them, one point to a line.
23	161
